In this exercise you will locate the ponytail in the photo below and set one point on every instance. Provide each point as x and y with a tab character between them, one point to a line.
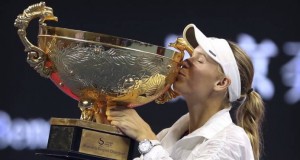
249	116
250	113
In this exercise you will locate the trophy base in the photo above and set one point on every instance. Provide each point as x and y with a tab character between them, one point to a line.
70	155
85	140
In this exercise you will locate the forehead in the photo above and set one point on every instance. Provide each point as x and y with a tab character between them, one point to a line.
200	51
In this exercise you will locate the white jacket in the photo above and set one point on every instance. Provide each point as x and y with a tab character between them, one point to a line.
218	139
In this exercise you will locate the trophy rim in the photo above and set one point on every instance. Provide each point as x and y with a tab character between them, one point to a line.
108	40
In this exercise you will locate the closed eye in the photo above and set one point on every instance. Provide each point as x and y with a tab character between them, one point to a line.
201	59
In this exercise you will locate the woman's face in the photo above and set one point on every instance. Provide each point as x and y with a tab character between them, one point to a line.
198	75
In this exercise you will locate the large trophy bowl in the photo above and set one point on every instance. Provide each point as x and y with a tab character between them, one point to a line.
99	71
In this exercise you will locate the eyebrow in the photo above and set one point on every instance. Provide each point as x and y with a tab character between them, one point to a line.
207	57
204	54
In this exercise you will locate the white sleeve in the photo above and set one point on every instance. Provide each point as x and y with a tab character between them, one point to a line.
220	150
156	153
162	134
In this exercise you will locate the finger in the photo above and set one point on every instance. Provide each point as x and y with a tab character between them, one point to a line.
118	111
114	113
119	124
111	117
117	107
114	123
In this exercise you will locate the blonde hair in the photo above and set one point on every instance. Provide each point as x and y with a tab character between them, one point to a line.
250	114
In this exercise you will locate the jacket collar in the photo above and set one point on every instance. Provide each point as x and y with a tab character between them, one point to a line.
214	125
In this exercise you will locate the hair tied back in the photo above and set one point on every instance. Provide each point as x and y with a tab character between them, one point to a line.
249	91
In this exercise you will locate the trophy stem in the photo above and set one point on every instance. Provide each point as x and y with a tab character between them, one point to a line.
101	115
93	111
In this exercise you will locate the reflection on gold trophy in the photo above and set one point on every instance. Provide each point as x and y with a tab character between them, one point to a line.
98	71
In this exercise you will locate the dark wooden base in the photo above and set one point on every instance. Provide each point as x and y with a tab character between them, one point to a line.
70	155
83	140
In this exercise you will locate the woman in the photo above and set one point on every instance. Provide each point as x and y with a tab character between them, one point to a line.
217	77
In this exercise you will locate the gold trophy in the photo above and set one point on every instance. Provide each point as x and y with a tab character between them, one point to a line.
99	71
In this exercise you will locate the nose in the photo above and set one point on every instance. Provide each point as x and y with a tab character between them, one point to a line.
186	63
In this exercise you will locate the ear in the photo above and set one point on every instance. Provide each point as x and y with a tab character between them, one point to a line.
222	84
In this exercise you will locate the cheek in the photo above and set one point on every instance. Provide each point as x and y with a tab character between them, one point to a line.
198	81
188	85
204	79
191	87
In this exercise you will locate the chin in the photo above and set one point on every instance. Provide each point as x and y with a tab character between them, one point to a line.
177	87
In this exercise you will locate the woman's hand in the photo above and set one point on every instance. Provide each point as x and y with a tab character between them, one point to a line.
130	123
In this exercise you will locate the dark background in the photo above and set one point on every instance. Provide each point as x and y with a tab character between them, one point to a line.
25	94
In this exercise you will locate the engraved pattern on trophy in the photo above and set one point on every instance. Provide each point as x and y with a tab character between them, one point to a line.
113	72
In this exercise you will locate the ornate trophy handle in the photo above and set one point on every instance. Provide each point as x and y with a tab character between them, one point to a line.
36	56
180	45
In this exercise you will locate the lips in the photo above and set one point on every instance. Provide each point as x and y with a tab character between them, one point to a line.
181	74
